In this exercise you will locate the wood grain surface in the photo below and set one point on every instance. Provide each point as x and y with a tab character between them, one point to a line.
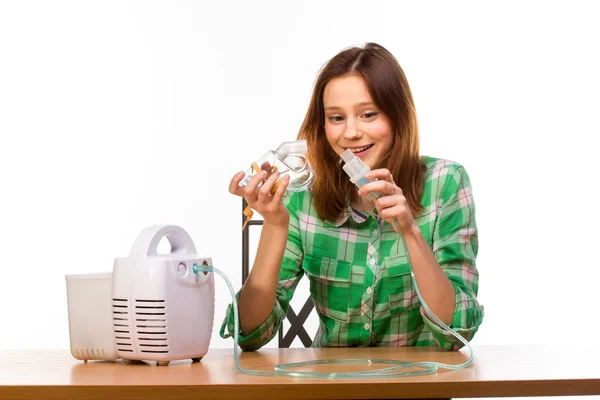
498	371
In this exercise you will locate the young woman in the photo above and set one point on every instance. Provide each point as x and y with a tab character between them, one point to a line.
356	252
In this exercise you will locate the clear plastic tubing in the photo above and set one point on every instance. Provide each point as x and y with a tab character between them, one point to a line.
398	368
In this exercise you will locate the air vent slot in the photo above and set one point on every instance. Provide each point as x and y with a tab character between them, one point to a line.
151	326
121	325
90	354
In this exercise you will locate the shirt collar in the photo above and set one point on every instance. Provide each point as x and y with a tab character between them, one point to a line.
349	211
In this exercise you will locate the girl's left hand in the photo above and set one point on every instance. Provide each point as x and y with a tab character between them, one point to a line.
392	205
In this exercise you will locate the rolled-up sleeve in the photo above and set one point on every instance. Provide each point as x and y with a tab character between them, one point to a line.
455	247
290	274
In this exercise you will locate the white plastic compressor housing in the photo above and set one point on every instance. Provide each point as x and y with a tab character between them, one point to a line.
161	310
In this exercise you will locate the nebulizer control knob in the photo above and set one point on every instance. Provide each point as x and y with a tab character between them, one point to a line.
182	270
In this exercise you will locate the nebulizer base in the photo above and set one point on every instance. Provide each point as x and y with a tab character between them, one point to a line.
288	159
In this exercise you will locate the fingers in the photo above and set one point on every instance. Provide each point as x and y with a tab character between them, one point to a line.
265	166
383	182
384	187
397	213
390	201
265	189
381	174
283	184
392	188
234	185
250	192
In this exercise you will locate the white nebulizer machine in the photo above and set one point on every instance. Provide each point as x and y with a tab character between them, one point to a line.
160	307
153	307
163	308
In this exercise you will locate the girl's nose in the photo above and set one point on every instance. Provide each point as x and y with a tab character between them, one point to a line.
352	131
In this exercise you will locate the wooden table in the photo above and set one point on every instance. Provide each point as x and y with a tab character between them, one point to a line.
498	371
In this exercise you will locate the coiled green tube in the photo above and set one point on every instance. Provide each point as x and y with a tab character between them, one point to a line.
388	372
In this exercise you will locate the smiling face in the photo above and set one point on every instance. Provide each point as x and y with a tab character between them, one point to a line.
353	121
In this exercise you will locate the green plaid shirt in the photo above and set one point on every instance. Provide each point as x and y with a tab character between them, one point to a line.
359	276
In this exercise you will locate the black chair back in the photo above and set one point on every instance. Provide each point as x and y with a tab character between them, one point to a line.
296	321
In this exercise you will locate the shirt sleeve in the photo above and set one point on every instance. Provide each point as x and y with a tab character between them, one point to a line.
290	274
455	247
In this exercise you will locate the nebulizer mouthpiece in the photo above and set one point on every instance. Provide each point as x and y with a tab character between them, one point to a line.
288	159
356	171
353	166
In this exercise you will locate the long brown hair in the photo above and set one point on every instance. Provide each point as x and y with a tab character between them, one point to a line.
391	93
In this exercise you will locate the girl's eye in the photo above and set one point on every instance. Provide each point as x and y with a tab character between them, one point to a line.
370	114
336	118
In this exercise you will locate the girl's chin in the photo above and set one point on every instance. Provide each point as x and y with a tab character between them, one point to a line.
372	162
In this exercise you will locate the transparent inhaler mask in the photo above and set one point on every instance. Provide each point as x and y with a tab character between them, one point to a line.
288	159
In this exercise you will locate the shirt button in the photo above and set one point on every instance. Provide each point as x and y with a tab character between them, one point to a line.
367	326
369	290
375	232
372	261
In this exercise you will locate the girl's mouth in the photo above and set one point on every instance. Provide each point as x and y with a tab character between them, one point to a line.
361	151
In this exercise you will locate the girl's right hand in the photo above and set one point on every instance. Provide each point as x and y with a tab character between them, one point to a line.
269	206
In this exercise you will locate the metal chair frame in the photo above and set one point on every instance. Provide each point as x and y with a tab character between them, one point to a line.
296	320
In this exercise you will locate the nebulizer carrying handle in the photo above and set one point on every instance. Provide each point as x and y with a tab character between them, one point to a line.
146	244
288	159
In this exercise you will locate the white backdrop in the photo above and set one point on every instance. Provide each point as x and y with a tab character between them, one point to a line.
117	115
